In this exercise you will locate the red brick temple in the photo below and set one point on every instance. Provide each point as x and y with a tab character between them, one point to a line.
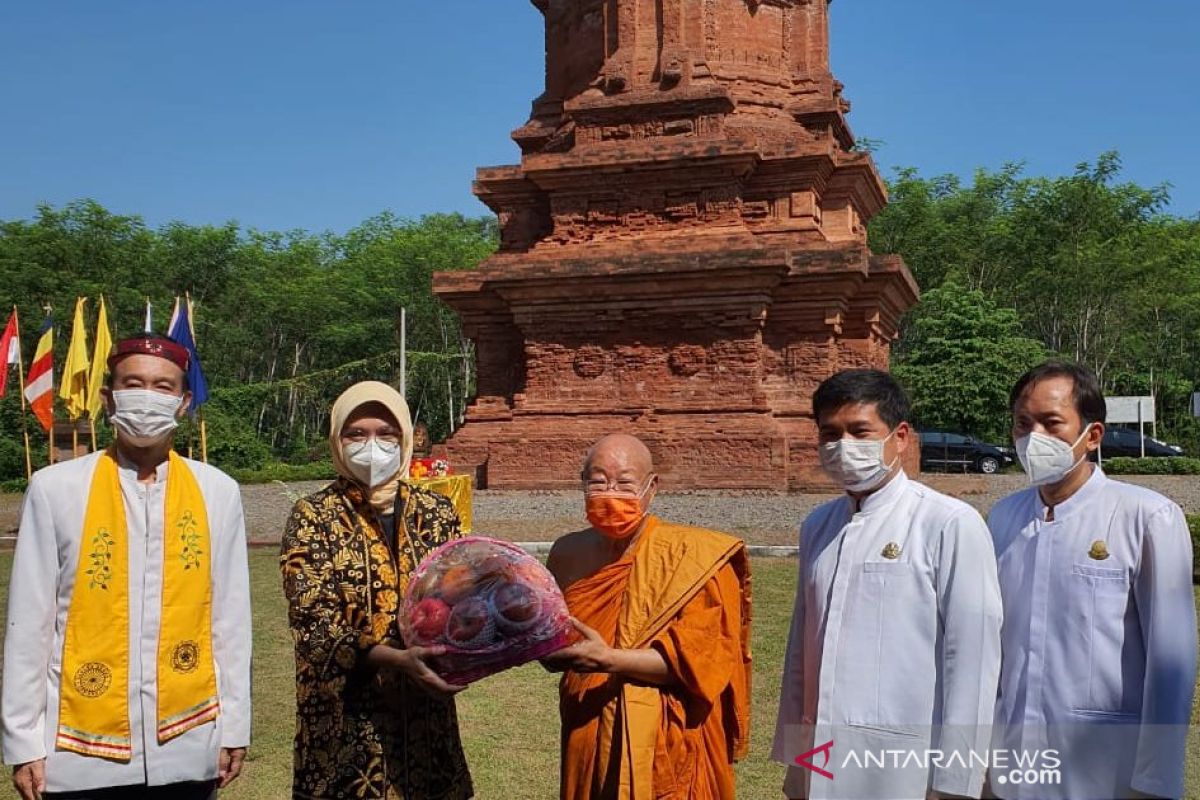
683	249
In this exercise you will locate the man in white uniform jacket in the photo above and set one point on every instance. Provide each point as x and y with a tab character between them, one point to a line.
1099	618
890	675
127	650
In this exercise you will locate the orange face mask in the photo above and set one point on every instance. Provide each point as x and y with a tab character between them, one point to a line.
616	516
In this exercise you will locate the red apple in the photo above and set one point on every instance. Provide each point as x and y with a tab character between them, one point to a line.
517	607
469	622
429	620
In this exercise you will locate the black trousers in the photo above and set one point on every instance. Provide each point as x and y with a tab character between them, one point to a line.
195	790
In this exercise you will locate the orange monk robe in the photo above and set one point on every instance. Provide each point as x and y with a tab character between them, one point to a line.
684	592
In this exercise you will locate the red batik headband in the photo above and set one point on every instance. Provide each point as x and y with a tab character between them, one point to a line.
177	354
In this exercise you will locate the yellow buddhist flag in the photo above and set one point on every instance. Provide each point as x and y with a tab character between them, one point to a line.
104	343
74	387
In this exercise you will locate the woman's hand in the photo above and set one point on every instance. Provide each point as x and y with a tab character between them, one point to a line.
412	662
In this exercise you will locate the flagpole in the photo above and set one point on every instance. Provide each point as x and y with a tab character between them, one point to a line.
203	437
21	386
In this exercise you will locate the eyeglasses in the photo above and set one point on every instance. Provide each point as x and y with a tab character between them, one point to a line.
358	436
623	486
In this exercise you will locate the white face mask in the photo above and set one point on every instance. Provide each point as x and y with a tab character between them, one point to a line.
373	462
143	417
856	464
1047	459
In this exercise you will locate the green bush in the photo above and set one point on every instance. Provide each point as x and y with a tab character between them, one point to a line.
277	471
13	486
1152	466
12	458
233	443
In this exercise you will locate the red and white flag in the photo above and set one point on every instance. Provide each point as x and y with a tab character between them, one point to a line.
39	387
10	349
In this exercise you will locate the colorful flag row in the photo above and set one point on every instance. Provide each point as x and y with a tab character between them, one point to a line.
83	376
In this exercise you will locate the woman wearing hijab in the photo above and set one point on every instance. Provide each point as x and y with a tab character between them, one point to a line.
373	720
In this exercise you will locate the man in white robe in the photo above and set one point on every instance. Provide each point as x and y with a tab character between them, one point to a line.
147	394
1099	618
891	667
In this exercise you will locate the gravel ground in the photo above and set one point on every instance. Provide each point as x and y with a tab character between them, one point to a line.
759	517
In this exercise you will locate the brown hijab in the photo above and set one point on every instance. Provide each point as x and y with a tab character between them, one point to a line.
383	496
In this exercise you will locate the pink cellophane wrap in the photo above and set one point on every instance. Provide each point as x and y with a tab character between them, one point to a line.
489	603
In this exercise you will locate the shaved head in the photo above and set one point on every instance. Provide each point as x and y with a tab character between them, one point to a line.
619	452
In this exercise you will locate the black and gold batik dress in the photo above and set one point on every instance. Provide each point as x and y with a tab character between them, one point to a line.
363	733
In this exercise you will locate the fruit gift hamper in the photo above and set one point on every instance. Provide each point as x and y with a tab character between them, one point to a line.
489	603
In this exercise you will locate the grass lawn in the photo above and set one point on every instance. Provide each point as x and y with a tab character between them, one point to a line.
510	721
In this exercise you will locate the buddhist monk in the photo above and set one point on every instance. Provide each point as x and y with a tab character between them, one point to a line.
655	697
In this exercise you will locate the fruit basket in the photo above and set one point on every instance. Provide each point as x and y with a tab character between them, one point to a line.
428	468
489	603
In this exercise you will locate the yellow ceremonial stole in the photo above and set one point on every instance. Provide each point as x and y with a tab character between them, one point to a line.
94	713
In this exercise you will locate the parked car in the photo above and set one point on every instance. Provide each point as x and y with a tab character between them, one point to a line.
1128	443
944	451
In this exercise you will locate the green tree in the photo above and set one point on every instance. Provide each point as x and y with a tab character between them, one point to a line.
1092	266
962	355
284	320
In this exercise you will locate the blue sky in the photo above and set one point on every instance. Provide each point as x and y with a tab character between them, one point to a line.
316	115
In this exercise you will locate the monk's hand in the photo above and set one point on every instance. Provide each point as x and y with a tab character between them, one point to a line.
412	662
29	779
590	654
229	765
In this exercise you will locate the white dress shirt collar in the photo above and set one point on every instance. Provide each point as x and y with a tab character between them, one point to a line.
127	466
1082	499
883	497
